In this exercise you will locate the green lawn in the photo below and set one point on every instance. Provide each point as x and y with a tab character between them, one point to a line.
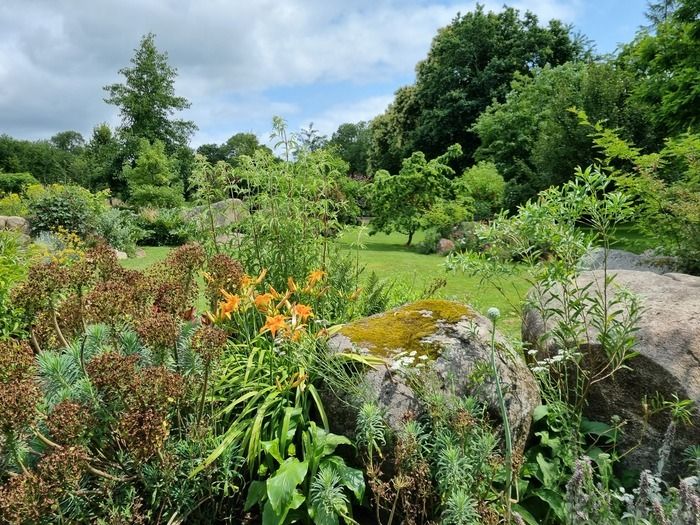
154	254
388	256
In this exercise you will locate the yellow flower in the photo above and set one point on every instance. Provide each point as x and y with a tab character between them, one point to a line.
273	324
291	285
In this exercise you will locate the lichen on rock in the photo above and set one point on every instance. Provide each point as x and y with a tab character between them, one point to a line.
405	329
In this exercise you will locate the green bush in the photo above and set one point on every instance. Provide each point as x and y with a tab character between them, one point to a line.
164	227
120	228
71	207
12	204
16	182
157	196
485	186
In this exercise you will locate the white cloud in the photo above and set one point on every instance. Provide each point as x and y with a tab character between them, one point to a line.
55	55
328	121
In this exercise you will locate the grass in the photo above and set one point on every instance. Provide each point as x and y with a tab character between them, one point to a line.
388	256
154	254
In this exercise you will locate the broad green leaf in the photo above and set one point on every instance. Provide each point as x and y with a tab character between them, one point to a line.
549	471
540	412
352	478
281	486
256	494
554	500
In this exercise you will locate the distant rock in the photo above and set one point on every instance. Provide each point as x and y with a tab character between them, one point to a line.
622	260
14	223
668	343
226	212
445	340
445	247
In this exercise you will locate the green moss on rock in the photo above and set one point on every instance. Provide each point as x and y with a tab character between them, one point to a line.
403	329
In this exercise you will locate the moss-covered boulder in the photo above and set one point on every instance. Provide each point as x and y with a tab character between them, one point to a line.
448	344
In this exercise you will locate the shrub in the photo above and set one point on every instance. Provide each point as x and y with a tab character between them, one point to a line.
486	188
164	227
120	228
16	182
71	207
157	196
12	204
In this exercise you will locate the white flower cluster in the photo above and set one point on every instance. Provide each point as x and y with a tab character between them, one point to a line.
546	364
404	360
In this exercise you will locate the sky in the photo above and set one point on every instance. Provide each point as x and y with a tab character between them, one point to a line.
241	62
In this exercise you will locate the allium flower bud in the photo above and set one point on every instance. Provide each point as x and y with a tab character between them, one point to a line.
493	313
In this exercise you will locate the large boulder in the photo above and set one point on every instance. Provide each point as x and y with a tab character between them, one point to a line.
225	212
648	261
445	340
668	364
16	224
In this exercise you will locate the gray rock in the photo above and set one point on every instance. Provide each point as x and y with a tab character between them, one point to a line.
13	223
456	342
445	247
121	255
668	343
225	213
622	260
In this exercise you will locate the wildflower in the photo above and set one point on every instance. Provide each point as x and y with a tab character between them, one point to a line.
273	324
67	422
232	303
315	277
302	311
493	313
262	301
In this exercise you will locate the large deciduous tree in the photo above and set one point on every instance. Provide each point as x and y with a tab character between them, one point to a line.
471	62
535	139
667	64
147	99
352	143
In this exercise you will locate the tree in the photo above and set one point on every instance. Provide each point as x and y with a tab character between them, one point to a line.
485	186
231	150
103	160
471	62
310	139
667	65
147	100
534	138
399	202
351	142
153	181
70	141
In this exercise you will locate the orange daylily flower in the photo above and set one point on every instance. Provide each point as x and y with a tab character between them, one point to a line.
247	280
273	324
302	311
315	277
232	303
262	301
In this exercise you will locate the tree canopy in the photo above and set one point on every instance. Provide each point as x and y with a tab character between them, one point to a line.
147	100
471	63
